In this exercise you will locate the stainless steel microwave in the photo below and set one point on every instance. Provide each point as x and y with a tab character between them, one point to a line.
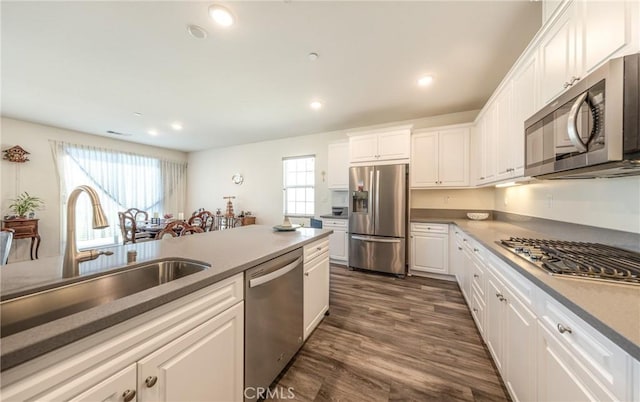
592	129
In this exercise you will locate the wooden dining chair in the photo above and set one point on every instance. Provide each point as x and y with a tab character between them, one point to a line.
129	229
137	214
204	220
178	228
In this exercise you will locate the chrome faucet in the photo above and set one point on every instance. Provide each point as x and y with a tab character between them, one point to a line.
73	257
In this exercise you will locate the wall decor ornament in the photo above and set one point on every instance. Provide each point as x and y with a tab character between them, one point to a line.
16	154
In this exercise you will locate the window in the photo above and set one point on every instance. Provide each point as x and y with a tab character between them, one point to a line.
299	180
122	181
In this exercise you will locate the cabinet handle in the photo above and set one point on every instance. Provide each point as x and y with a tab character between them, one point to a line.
573	80
476	276
129	395
562	329
566	85
459	248
475	249
475	310
306	274
481	177
151	381
464	239
318	248
500	297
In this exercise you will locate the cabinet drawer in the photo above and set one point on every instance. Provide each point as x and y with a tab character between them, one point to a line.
518	284
598	355
337	223
312	250
430	227
478	277
477	310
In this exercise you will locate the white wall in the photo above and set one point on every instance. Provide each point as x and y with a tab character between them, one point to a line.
606	203
38	176
467	199
210	171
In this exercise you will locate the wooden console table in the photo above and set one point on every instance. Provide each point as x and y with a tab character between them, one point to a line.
24	229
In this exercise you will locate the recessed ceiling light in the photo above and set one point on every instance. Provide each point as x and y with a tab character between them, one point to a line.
221	15
197	31
426	80
137	114
316	105
152	132
313	56
176	126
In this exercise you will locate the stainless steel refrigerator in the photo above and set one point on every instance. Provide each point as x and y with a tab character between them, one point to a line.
378	218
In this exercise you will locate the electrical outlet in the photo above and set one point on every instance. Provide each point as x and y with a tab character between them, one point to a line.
549	200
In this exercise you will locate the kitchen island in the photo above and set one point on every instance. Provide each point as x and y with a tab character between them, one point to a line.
229	253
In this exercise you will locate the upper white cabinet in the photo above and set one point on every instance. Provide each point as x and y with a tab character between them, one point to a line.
392	145
558	53
584	35
338	166
524	103
440	158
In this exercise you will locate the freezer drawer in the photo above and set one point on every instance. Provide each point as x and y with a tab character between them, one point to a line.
383	254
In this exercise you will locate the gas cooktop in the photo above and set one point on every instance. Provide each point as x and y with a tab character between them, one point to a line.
578	260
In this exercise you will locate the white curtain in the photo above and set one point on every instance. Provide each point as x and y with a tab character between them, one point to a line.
122	180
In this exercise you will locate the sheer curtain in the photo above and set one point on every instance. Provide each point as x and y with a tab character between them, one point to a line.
122	180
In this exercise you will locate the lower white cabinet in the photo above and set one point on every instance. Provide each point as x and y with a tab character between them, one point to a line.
542	350
316	284
429	248
188	349
205	364
338	240
118	387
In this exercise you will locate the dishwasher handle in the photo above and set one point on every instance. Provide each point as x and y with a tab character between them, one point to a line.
261	280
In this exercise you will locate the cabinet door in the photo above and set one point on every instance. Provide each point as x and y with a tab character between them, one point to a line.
430	253
503	134
338	166
477	151
557	373
519	356
337	243
558	55
606	30
205	364
524	103
424	160
453	146
112	389
363	148
489	136
316	293
494	329
394	145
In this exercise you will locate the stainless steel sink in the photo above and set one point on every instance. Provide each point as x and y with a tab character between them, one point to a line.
28	311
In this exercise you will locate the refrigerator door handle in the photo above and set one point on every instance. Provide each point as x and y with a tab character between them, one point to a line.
376	239
376	207
371	207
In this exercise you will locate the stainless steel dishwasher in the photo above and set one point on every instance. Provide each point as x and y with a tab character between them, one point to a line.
273	319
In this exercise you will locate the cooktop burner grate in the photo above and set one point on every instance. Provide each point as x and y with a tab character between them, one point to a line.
578	260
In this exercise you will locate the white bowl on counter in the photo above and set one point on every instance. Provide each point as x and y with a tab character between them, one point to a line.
477	216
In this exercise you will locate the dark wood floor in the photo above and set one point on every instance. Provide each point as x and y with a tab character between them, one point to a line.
390	339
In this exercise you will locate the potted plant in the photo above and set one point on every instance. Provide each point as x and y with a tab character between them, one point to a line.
25	203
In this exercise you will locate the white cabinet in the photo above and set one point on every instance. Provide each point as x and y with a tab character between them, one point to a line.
116	388
503	134
585	35
559	56
316	284
193	346
338	166
338	240
204	364
390	145
542	350
440	158
429	248
524	98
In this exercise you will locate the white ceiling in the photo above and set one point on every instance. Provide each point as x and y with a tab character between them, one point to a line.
88	66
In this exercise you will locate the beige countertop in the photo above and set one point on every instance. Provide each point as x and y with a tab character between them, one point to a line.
228	252
613	309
